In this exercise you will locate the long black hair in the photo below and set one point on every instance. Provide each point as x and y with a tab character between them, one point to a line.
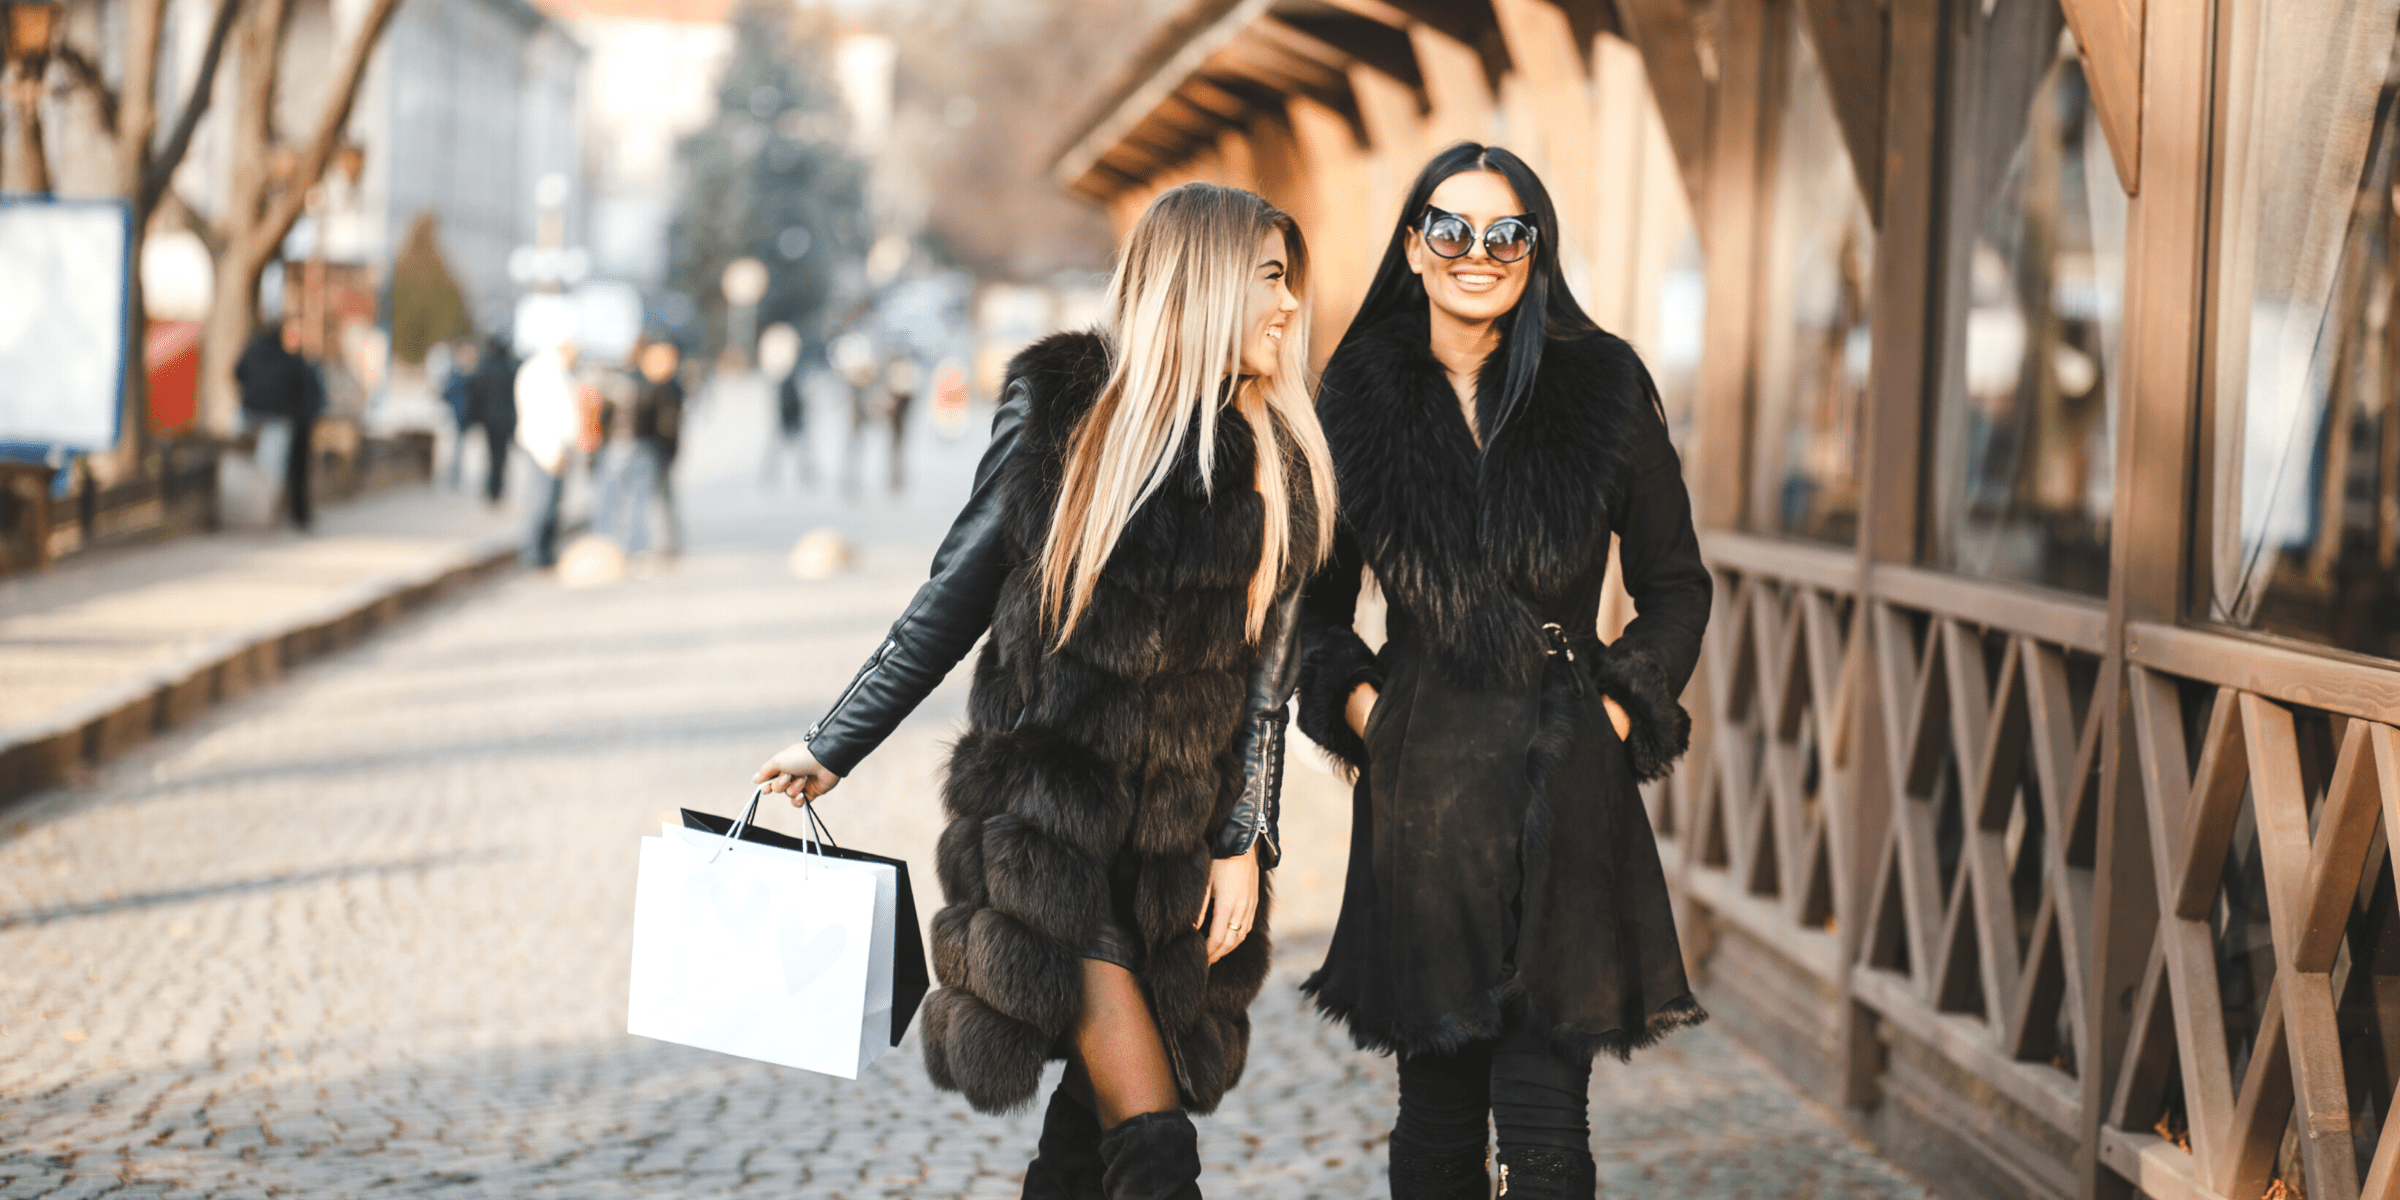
1546	311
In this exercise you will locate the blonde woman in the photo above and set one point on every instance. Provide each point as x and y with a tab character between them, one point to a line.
1153	496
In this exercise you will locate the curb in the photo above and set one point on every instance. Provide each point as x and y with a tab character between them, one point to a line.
58	748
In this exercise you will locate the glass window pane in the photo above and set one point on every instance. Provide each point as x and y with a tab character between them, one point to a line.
2306	445
1813	346
2021	487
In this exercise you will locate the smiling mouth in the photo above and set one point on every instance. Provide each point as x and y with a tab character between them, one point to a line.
1474	281
1275	331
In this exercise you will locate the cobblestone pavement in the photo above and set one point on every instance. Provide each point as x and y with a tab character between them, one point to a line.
367	934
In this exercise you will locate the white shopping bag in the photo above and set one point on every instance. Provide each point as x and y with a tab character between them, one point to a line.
780	955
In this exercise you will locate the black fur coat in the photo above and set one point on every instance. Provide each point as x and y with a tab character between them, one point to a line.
1501	862
1092	777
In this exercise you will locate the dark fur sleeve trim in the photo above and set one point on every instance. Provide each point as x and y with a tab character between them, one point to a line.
1660	729
1333	663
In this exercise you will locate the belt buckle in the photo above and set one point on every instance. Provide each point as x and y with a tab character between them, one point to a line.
1558	640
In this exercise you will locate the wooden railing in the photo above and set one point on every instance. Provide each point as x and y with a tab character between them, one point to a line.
1938	866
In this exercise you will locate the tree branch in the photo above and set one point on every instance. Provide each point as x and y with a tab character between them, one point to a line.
87	76
340	97
137	119
161	168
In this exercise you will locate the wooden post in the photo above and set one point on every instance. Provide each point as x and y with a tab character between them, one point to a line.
1904	322
2166	228
1730	230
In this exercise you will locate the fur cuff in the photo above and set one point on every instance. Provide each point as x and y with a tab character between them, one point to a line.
1335	662
1660	729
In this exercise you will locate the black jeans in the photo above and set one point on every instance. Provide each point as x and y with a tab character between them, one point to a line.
541	540
295	470
497	439
1536	1101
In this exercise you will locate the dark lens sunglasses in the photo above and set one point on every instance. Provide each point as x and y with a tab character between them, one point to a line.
1447	234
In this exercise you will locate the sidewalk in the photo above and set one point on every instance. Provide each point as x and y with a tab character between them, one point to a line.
101	653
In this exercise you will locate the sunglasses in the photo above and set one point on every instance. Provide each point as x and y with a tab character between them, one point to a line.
1447	234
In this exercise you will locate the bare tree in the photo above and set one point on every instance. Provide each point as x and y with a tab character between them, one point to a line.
269	188
145	164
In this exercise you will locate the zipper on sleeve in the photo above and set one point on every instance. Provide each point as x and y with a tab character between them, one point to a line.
874	663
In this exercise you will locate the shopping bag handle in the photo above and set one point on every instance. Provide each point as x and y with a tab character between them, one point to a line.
814	830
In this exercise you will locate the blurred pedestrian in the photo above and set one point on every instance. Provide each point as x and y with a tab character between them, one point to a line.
620	502
658	424
549	421
1103	867
459	395
791	433
281	390
902	379
858	372
492	394
781	359
642	431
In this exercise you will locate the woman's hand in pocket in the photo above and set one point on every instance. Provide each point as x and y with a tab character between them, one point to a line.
1233	894
1360	707
795	772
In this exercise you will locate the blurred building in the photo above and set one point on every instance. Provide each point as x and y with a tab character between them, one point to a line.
2036	367
471	104
650	78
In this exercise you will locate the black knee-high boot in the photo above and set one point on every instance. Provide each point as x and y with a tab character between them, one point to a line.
1547	1173
1419	1174
1155	1156
1066	1164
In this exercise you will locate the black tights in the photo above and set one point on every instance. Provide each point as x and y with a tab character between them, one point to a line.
1538	1102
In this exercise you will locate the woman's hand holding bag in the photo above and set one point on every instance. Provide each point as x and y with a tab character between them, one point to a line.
795	772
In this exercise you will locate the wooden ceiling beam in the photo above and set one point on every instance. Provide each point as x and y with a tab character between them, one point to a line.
1282	72
1378	11
1852	42
1586	21
1470	22
1171	56
1368	43
1279	68
2110	33
1670	44
1291	39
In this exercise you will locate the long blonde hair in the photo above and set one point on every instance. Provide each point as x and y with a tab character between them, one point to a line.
1176	306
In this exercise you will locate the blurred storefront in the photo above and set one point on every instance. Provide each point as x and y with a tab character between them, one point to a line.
2036	368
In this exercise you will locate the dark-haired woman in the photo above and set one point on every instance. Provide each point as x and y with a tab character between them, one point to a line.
1505	917
1153	497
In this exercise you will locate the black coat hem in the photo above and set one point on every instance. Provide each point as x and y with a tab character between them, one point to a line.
1570	1044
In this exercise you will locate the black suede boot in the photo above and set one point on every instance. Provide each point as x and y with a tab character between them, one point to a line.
1417	1175
1546	1173
1155	1156
1066	1163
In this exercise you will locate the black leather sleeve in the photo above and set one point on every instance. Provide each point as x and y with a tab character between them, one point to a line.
1265	714
940	625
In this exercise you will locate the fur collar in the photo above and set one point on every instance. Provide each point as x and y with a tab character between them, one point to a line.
1474	545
